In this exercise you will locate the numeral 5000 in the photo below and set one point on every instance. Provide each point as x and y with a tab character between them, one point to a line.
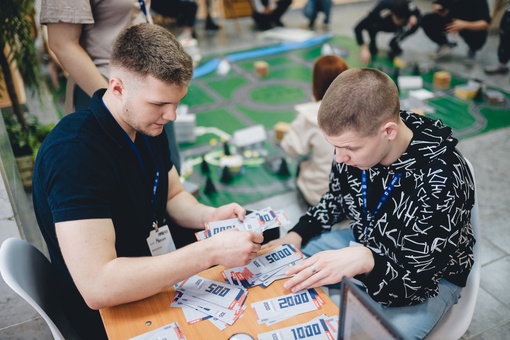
280	254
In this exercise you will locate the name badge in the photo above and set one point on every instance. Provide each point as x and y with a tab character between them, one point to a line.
161	242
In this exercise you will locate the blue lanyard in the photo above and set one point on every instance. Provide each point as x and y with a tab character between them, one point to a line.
144	9
156	178
370	218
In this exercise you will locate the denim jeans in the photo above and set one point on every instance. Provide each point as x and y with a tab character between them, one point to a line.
414	322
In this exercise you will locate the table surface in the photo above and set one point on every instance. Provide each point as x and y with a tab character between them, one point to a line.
135	318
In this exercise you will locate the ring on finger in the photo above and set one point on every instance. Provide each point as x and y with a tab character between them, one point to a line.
313	269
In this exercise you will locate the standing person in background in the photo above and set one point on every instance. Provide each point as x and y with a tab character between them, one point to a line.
105	190
399	16
81	34
304	138
210	25
268	13
504	43
469	19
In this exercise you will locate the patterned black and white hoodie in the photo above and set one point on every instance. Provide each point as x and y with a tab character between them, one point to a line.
422	233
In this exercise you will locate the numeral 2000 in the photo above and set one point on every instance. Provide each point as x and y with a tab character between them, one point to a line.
290	301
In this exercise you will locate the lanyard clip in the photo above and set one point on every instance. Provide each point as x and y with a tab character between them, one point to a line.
155	225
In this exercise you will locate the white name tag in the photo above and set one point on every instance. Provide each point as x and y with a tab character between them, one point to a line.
160	242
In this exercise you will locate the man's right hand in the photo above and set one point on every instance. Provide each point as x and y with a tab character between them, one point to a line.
234	248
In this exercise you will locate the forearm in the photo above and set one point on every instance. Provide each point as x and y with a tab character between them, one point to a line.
63	40
187	212
124	280
479	25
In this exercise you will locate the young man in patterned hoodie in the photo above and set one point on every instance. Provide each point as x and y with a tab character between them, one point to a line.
408	193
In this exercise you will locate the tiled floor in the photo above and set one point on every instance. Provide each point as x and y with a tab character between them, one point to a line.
488	153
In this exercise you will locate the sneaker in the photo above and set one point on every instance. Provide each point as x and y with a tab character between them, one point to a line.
395	48
210	25
470	59
496	69
442	51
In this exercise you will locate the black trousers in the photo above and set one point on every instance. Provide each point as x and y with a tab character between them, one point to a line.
434	27
266	21
504	38
387	25
184	10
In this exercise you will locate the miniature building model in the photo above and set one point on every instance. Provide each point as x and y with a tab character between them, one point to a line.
417	98
442	80
261	68
410	82
249	139
185	128
467	91
280	129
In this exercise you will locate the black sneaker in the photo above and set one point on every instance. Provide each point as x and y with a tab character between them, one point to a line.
496	69
395	48
210	25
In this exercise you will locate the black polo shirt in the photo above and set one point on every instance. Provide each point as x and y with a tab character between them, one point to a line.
87	169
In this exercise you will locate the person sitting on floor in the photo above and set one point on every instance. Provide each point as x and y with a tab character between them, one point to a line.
305	139
267	13
469	19
313	7
399	16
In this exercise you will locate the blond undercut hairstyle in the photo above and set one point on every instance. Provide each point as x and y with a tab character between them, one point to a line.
359	100
147	49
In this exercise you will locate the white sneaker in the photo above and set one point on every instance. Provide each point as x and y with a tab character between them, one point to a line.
442	51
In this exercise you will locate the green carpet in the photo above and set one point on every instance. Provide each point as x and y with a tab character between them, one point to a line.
240	99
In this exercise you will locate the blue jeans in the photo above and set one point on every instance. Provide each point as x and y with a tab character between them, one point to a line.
414	322
313	7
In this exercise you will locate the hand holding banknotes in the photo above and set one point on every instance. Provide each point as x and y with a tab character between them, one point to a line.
233	247
328	267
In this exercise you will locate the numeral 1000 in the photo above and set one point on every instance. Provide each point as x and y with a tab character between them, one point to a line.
306	331
293	300
280	254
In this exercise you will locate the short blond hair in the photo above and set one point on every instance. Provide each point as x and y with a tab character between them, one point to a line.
151	50
360	100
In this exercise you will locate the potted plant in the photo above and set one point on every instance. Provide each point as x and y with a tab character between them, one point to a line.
17	48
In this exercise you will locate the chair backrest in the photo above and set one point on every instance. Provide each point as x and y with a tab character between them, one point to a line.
30	274
456	321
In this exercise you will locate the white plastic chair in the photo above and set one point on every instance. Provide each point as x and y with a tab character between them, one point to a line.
456	321
30	274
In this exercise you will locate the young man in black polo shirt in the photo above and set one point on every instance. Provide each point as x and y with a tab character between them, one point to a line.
105	189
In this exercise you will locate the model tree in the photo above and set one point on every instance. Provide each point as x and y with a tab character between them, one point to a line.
226	175
204	166
209	186
283	171
416	69
226	148
479	95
